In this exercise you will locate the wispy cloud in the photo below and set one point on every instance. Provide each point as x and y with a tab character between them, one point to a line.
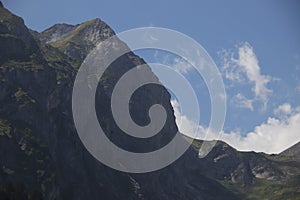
246	68
273	136
178	64
241	101
182	66
248	61
231	70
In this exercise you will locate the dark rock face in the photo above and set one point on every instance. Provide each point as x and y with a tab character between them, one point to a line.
16	42
41	155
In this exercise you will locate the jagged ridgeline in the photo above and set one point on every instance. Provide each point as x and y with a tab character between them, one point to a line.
42	157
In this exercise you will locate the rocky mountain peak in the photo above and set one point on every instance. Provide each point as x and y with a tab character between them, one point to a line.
77	40
55	32
96	31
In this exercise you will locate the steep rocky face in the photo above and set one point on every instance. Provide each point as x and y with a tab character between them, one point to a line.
56	32
16	41
77	41
41	155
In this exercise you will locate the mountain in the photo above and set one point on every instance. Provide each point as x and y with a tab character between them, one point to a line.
42	157
16	41
252	175
41	154
292	153
54	33
77	41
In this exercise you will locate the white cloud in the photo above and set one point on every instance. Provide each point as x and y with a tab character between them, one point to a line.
272	136
186	125
283	109
230	69
246	68
248	61
241	101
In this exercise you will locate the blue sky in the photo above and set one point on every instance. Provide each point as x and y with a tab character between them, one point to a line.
255	44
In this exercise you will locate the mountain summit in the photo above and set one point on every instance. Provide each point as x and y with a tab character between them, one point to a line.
77	41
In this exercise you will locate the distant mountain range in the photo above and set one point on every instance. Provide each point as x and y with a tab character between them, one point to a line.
42	157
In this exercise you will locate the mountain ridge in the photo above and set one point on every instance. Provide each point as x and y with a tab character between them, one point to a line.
57	31
293	152
76	40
